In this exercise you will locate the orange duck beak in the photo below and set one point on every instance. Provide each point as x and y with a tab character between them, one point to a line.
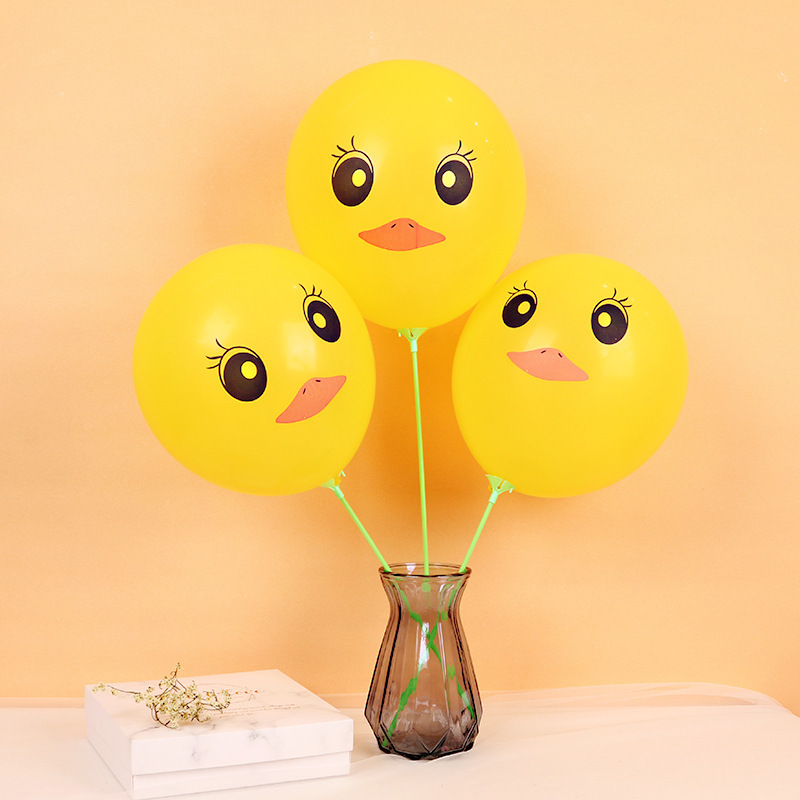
401	234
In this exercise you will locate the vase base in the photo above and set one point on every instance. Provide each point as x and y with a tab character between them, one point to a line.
421	753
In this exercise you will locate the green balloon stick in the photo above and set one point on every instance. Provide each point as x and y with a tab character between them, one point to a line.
337	490
413	334
498	487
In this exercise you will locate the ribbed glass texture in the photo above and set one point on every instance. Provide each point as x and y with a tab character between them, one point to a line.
423	701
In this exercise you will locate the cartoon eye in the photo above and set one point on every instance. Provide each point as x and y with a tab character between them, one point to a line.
520	307
610	319
241	372
353	174
454	177
320	315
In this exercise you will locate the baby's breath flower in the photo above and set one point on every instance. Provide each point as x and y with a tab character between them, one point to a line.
173	703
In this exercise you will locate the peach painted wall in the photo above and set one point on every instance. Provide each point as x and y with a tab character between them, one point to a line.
139	135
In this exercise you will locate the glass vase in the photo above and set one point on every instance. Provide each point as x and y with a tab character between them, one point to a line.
423	701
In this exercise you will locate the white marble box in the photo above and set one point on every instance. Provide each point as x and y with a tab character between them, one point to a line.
274	730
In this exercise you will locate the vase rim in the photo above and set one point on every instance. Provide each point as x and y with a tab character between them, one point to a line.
413	569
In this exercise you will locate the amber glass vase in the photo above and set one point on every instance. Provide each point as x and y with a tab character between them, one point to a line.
423	701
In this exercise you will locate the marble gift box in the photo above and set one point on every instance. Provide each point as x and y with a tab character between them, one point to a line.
274	730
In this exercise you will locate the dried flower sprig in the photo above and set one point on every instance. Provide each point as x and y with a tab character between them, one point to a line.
172	703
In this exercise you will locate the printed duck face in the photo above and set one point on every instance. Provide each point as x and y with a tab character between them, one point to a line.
565	368
406	183
253	361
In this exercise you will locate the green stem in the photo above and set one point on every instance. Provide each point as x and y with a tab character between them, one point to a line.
413	334
498	487
412	686
340	494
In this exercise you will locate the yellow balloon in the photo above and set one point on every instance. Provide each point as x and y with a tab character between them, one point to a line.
254	369
406	182
568	375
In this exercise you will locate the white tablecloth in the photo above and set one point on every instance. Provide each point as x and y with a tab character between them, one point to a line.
641	741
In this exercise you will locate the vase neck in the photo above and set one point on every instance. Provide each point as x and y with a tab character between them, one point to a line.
418	594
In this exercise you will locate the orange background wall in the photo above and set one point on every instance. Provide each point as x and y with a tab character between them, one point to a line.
138	135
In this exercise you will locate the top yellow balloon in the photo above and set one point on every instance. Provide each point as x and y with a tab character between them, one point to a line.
405	182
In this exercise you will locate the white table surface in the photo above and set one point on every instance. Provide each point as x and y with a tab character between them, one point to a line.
640	741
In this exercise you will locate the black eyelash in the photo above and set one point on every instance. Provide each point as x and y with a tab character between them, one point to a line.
313	292
622	301
467	154
218	358
343	151
515	290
